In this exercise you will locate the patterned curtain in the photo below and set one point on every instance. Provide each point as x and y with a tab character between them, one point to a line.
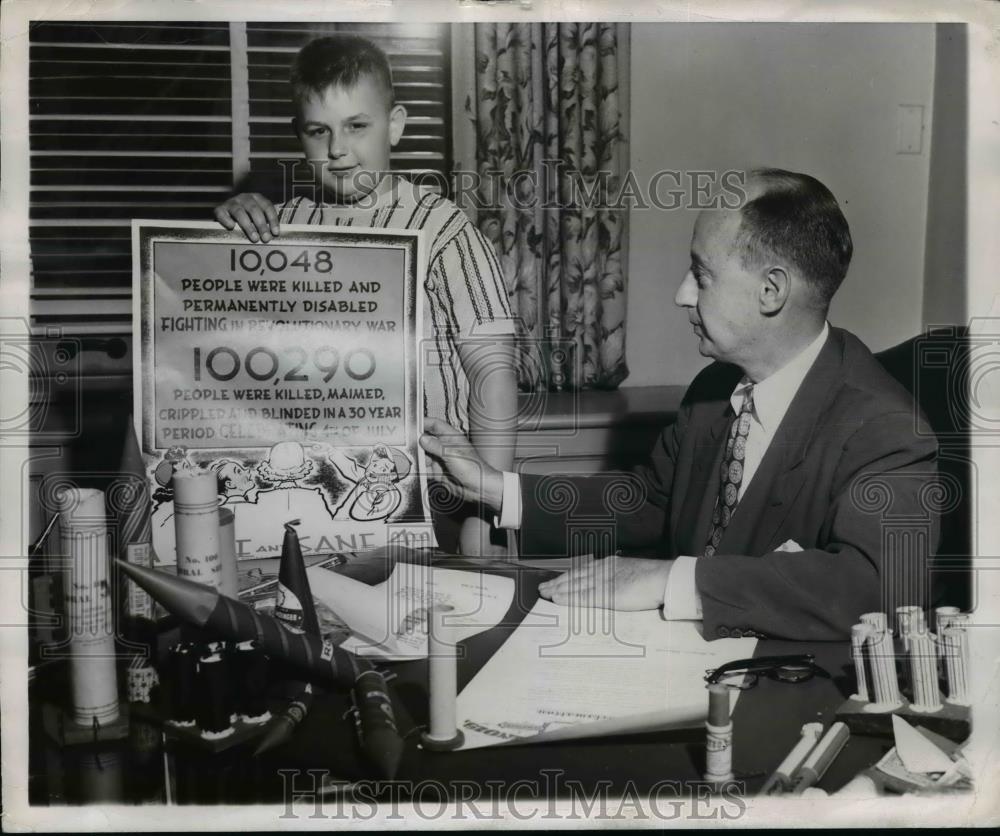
548	136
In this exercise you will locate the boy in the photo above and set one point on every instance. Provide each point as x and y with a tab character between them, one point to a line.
347	121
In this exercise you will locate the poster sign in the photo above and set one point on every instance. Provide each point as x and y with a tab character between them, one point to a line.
290	370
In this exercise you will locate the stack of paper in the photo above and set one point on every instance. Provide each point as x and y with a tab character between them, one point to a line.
922	760
564	672
389	620
578	671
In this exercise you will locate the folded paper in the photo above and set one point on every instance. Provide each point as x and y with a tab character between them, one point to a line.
389	620
571	672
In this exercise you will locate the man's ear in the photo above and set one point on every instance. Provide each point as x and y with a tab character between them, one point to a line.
295	125
397	122
774	290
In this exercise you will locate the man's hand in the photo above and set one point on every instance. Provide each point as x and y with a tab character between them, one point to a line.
617	583
459	467
252	212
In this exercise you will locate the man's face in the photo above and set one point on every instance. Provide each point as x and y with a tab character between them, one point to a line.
720	295
347	134
240	481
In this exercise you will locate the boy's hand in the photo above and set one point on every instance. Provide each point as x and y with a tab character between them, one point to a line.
459	466
253	213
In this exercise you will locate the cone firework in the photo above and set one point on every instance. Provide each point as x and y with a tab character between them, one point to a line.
295	604
378	735
295	609
284	725
203	606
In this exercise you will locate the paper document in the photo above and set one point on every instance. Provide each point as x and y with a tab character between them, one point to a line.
389	620
918	754
576	672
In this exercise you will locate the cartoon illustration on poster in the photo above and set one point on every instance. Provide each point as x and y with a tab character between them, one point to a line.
290	371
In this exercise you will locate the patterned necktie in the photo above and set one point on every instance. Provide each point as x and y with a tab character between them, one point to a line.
731	473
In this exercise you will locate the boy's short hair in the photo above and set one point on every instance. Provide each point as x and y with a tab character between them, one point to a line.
339	60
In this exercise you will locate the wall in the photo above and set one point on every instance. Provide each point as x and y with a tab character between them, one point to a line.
945	271
816	98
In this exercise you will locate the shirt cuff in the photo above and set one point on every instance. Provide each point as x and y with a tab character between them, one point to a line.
510	503
681	601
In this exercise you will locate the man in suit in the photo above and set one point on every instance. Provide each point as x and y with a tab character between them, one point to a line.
765	502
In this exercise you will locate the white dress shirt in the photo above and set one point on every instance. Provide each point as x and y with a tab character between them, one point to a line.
771	399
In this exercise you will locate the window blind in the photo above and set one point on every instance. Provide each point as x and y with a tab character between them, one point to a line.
165	120
126	120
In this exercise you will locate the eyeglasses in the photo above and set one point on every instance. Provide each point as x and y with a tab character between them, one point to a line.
743	674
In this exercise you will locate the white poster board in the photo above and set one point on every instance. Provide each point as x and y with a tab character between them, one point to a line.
291	370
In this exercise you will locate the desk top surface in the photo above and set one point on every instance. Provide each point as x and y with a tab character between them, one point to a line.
767	719
767	722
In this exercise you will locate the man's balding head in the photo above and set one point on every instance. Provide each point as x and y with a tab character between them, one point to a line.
761	277
793	218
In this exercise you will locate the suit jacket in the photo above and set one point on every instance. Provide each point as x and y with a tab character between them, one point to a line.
849	476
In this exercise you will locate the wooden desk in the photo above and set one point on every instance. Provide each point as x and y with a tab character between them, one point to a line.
767	722
767	719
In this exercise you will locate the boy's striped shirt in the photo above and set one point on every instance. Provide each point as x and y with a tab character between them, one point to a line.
464	290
